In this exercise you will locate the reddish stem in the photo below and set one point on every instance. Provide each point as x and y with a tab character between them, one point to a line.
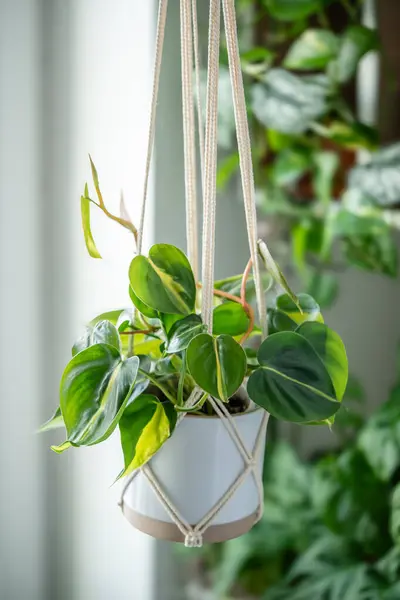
242	300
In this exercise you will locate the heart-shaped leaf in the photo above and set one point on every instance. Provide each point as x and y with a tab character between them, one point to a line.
87	232
292	383
141	306
144	427
230	318
164	281
314	49
330	348
104	332
306	309
380	177
290	103
95	387
217	364
182	333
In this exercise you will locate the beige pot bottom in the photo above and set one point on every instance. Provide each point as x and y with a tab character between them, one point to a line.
170	532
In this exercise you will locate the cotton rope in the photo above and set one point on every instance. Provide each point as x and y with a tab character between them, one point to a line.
189	137
244	146
189	42
210	164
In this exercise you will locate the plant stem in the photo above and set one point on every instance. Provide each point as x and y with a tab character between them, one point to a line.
242	300
194	408
158	384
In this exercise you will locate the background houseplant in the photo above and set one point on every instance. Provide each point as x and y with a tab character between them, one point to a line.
330	527
300	60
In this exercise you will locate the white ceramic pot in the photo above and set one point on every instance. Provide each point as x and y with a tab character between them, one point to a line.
195	468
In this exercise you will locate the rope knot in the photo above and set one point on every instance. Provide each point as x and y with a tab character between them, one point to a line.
193	540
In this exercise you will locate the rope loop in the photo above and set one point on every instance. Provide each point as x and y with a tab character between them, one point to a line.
193	534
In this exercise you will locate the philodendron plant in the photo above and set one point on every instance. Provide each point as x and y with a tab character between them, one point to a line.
135	368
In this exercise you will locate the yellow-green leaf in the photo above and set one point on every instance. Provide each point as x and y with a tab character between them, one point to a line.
95	388
144	427
164	281
87	232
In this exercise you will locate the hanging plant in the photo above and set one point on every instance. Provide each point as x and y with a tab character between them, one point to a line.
136	368
195	348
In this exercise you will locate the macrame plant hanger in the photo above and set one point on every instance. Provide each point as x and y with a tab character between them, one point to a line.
192	534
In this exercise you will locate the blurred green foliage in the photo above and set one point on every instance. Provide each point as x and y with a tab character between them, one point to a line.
299	69
331	526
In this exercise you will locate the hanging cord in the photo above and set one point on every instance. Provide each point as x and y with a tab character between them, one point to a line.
189	136
244	146
160	35
210	164
197	70
194	534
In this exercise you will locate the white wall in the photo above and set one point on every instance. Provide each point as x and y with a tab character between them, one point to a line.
110	80
21	467
74	78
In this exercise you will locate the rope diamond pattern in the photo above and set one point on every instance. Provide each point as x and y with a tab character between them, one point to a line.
193	534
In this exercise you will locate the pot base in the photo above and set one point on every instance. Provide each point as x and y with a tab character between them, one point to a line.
170	532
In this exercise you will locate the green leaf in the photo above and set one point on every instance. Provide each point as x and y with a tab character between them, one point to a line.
305	309
326	165
395	515
287	316
141	306
372	253
230	318
292	10
274	270
356	42
227	167
182	333
141	382
314	49
144	427
290	103
61	448
104	332
290	165
380	438
380	177
164	281
116	317
324	287
354	135
292	383
87	232
55	422
218	365
95	387
330	348
168	321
